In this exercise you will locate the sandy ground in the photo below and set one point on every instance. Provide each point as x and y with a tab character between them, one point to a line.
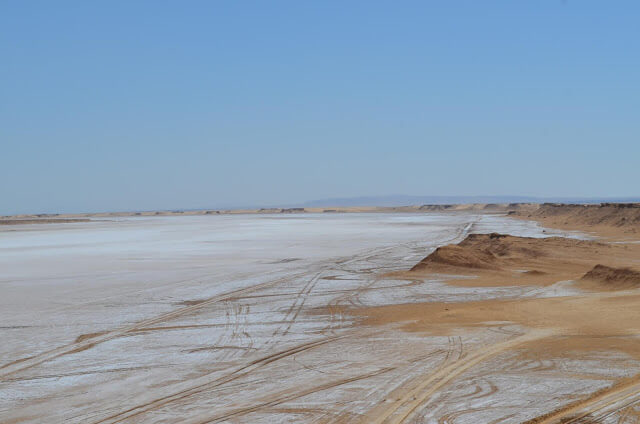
614	221
315	318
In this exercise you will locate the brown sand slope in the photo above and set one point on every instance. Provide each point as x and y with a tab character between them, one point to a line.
604	319
612	278
501	259
457	257
609	219
497	251
496	259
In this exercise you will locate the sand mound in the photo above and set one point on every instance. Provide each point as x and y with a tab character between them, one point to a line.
498	251
624	216
477	251
615	278
503	246
458	256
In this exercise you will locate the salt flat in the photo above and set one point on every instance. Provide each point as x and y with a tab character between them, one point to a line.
240	319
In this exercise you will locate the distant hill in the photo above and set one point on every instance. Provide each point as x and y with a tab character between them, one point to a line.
403	200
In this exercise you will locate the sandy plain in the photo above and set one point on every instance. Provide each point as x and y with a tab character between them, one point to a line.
328	317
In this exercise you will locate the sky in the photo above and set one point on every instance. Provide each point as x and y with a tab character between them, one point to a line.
120	105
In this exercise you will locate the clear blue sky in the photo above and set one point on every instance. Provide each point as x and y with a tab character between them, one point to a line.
163	104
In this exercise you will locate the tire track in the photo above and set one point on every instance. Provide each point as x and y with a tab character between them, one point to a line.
298	304
403	408
204	383
629	413
600	402
451	417
346	415
375	253
284	396
82	344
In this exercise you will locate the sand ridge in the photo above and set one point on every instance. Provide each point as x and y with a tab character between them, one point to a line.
604	318
497	259
611	220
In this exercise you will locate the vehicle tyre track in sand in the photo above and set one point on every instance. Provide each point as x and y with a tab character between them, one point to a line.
581	410
367	285
285	396
296	306
235	332
403	408
451	417
347	415
629	413
82	344
204	383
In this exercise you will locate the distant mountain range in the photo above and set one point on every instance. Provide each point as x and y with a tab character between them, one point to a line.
406	200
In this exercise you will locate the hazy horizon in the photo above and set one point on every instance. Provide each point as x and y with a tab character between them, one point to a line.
369	201
154	106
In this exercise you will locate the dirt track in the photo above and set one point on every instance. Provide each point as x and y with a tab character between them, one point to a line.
403	408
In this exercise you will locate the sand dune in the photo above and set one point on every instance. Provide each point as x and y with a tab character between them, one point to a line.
603	319
607	219
613	278
505	260
497	251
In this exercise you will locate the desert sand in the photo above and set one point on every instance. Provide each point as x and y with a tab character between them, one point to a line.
602	318
432	315
612	220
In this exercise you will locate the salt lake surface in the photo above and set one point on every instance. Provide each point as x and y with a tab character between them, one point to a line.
224	318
